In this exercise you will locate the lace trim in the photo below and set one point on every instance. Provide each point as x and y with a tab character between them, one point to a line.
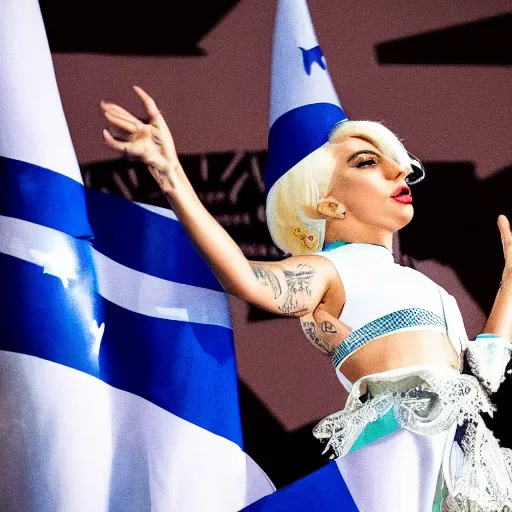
488	359
428	404
484	481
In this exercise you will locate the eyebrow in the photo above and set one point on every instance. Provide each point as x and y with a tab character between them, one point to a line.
363	151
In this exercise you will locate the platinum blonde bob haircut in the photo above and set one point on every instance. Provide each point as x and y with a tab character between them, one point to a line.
292	217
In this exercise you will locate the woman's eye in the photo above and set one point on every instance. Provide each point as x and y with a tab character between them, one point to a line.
368	161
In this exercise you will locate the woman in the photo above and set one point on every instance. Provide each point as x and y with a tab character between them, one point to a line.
335	213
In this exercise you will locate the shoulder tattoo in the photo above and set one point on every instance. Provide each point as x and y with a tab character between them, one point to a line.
268	278
298	287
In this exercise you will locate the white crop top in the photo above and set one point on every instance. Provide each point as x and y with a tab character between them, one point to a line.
383	297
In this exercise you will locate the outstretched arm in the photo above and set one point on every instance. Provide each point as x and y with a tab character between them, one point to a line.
292	287
500	319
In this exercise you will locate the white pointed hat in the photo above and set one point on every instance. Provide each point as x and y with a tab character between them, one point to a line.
304	106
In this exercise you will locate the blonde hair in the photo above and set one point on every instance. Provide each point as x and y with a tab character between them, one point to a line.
292	217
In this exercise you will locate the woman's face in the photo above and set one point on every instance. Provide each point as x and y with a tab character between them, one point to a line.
371	186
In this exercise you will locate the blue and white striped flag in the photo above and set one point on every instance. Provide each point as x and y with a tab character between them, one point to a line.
304	108
118	387
324	490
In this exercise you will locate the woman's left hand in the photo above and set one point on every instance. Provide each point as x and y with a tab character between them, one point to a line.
506	242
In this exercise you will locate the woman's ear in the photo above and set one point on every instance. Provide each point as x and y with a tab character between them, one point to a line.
330	208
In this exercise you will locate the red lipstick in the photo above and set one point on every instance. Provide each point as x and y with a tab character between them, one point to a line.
402	195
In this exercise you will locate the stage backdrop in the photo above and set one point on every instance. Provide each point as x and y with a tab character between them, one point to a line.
437	73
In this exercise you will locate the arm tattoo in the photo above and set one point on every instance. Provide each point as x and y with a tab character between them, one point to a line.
298	282
328	327
309	329
268	278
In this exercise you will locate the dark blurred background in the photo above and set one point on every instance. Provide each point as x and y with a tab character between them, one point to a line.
437	73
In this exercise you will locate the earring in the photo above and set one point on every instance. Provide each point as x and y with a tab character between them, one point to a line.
310	240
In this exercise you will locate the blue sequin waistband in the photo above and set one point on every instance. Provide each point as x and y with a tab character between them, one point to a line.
387	324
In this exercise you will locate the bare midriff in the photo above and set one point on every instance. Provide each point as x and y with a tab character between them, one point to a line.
399	350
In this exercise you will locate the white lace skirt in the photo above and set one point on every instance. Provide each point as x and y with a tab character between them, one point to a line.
397	450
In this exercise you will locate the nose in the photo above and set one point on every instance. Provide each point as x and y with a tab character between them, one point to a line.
393	171
401	173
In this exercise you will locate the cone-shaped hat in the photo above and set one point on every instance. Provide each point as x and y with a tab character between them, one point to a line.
304	106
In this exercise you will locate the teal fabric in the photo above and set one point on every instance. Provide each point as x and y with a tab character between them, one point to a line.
340	243
487	335
334	245
377	430
439	500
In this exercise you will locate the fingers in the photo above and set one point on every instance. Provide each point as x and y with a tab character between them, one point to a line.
113	143
150	141
149	103
505	233
504	227
118	111
121	123
503	223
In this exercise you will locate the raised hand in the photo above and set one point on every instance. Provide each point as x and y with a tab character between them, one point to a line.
500	319
506	242
150	142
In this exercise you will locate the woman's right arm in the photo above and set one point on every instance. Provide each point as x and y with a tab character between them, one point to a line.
292	287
